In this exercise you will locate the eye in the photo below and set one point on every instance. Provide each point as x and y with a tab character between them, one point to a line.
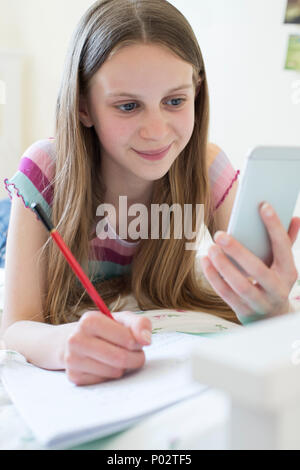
181	100
128	107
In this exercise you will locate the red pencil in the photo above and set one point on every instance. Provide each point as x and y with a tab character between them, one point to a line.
71	260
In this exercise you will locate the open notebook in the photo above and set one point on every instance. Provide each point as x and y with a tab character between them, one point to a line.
63	415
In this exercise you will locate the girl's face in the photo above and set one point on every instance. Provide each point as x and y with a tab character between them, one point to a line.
141	99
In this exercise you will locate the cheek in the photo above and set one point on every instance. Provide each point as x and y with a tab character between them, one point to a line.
112	133
186	124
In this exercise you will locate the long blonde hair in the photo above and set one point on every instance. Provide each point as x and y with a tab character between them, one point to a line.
163	272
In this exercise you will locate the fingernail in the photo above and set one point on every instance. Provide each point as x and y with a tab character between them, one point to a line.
222	238
147	336
267	210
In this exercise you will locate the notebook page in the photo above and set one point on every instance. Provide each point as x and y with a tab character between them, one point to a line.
60	413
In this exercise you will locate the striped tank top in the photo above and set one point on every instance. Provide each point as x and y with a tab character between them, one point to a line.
109	255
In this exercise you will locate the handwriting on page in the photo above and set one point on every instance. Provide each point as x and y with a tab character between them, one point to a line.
55	408
167	361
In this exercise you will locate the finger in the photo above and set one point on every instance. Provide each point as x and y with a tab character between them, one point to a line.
90	366
107	353
94	323
244	314
294	229
140	326
252	296
254	266
222	288
81	378
281	243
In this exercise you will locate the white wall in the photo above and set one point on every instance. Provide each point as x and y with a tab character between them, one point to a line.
10	106
243	42
254	101
40	31
244	45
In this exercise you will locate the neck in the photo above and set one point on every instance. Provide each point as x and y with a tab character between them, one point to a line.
119	182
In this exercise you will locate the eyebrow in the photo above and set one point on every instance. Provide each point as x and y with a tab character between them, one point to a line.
131	95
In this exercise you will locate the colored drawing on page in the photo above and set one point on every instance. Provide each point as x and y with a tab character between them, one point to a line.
156	330
168	315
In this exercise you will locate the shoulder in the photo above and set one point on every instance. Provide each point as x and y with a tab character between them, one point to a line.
221	173
41	151
213	151
223	180
33	178
38	162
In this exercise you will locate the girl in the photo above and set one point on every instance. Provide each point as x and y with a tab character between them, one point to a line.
134	84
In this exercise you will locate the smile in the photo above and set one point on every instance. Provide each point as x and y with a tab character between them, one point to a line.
154	154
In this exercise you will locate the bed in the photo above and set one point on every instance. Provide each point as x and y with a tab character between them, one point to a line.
160	431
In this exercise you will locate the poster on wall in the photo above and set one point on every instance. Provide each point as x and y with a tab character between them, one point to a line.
292	14
293	53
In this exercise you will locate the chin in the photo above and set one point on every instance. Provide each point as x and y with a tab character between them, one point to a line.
155	174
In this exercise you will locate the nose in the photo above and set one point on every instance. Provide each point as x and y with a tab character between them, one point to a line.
154	126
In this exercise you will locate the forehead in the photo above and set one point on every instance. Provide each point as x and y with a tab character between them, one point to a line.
142	66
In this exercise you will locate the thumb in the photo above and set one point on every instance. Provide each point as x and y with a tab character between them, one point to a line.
140	326
294	229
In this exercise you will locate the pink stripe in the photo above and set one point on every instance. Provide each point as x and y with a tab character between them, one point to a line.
105	254
115	245
38	179
113	241
42	159
222	182
218	166
228	189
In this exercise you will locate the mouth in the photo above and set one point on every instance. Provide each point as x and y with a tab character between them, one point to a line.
153	154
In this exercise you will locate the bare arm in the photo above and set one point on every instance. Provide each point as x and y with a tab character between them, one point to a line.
43	345
92	350
23	328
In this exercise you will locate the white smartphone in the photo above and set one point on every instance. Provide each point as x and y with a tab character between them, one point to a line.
270	174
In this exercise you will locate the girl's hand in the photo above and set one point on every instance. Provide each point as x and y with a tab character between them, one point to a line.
100	349
268	295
